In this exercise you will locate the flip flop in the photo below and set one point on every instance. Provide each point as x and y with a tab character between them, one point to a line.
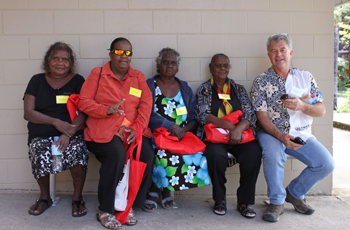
78	203
37	203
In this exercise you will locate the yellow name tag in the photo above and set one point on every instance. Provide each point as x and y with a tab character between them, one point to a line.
61	99
181	111
135	92
224	96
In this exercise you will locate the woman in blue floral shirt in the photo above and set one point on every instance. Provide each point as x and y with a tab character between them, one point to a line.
216	98
173	109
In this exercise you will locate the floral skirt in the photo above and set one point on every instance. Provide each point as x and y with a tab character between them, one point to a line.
41	158
179	172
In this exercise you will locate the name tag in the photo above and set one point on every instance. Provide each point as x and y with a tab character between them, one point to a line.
135	92
61	99
224	96
181	111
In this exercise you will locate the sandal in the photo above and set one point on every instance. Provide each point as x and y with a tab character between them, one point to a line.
108	220
246	211
220	208
131	220
80	209
151	205
37	203
165	200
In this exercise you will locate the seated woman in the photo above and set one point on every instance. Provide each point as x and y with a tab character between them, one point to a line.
45	109
111	105
173	109
216	98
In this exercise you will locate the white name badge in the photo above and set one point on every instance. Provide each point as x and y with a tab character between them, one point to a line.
224	96
297	92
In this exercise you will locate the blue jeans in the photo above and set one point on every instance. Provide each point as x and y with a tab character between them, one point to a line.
319	163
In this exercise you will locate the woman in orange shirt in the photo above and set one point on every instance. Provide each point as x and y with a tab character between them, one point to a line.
114	96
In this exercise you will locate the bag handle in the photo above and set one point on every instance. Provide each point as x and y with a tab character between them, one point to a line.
137	142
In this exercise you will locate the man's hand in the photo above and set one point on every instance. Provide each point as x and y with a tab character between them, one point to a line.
286	140
294	103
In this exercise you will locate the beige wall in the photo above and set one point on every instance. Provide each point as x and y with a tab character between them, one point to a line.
196	28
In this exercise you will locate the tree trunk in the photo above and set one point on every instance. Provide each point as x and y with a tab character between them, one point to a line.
336	48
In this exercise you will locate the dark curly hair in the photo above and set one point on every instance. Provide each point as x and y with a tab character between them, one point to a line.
59	46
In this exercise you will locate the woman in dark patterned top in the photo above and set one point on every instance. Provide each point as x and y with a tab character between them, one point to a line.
45	109
216	98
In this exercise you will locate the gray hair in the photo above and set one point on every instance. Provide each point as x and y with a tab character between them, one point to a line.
167	51
277	38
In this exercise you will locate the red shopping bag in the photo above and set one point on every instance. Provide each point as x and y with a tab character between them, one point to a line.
188	145
217	135
137	169
72	106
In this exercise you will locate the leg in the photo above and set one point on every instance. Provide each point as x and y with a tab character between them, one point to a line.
78	174
274	158
217	163
249	158
147	156
319	165
112	156
44	201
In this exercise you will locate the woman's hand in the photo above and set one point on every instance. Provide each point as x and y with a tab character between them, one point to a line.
235	136
64	127
177	131
63	142
115	109
131	137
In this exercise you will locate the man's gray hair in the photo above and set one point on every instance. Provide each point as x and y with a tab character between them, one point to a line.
277	38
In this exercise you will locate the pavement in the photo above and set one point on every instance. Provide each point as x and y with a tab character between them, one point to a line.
193	212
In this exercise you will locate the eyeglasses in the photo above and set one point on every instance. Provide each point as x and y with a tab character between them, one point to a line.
225	66
121	52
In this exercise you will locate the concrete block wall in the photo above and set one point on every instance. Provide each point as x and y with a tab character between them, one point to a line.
196	28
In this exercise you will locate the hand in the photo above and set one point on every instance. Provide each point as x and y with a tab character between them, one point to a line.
115	109
62	142
294	103
177	131
64	127
131	137
235	136
286	140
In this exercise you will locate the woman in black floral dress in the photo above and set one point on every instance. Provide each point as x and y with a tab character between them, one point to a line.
45	109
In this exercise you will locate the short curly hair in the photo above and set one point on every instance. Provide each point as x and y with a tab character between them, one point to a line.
59	46
167	51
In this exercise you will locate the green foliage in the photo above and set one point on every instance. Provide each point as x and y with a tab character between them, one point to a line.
345	106
343	70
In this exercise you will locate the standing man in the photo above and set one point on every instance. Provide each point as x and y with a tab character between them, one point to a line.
285	100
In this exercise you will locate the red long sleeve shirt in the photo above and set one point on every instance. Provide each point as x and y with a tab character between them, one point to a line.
97	95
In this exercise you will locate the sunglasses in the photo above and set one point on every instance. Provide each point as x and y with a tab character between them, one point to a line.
121	52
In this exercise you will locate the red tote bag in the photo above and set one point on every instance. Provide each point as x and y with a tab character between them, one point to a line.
188	145
137	169
217	135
